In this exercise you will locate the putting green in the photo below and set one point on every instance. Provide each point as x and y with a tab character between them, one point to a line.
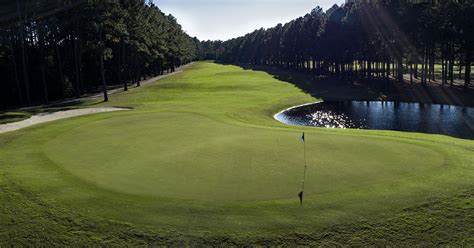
200	159
182	155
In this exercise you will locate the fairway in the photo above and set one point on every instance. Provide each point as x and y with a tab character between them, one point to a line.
199	157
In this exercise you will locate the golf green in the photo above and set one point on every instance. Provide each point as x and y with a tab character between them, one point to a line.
199	157
205	160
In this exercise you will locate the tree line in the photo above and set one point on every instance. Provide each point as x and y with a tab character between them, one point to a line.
365	40
56	49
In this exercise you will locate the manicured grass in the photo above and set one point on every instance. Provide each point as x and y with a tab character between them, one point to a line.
200	160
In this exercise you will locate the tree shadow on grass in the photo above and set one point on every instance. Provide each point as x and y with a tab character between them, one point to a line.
332	89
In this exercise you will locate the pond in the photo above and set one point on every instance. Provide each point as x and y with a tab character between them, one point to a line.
410	117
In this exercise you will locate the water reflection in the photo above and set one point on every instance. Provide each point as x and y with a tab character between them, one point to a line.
412	117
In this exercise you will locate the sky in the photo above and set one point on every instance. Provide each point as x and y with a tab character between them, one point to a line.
226	19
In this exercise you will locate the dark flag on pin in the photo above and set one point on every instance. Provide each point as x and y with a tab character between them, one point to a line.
300	195
302	137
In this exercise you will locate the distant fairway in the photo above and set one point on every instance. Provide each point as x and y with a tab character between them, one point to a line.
200	160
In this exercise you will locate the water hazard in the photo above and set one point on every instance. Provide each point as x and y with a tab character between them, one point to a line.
410	117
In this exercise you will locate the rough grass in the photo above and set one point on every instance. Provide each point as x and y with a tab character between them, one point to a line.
10	117
200	161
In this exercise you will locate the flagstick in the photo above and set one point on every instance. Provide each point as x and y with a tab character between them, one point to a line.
304	175
305	166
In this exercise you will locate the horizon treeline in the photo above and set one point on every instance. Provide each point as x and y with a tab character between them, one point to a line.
56	49
365	41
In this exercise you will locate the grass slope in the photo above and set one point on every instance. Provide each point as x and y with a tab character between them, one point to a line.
10	117
201	161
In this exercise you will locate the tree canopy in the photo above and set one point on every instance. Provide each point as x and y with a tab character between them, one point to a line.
57	49
363	40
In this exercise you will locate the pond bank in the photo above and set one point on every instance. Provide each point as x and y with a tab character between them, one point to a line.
449	120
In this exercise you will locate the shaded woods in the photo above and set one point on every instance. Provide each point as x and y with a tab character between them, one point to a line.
366	41
52	50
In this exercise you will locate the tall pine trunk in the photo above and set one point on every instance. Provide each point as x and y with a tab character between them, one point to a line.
467	71
60	68
451	65
432	64
122	67
416	70
23	55
369	70
137	71
388	70
423	65
15	70
43	61
400	70
76	62
102	69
